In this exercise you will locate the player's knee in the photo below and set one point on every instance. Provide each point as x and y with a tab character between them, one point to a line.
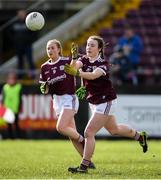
57	127
88	133
60	128
113	131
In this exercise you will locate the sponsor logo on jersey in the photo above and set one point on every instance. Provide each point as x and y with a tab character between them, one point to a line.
56	79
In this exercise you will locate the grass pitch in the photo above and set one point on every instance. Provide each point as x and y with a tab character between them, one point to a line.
50	159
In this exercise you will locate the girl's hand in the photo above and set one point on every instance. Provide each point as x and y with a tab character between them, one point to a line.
74	51
71	70
81	92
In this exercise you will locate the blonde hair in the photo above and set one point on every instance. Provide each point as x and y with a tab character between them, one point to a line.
58	44
101	44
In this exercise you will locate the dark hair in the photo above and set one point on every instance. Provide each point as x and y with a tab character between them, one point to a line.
101	44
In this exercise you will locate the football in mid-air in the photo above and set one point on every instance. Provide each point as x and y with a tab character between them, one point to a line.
35	21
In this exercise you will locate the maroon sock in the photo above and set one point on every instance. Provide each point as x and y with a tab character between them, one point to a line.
84	164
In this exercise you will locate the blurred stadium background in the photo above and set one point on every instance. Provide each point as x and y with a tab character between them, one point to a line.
74	21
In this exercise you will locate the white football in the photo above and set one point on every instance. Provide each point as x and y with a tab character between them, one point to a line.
35	21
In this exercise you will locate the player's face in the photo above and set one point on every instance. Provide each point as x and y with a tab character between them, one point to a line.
92	49
52	50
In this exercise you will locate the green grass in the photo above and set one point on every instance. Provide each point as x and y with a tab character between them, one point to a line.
47	159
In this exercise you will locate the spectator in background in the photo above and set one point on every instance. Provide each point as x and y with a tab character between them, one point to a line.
22	40
127	53
12	99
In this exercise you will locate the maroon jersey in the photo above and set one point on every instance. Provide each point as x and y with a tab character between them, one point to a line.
59	82
99	90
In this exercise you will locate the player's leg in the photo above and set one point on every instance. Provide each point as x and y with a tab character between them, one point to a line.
94	125
96	122
79	143
66	126
65	107
118	129
126	131
111	124
63	124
